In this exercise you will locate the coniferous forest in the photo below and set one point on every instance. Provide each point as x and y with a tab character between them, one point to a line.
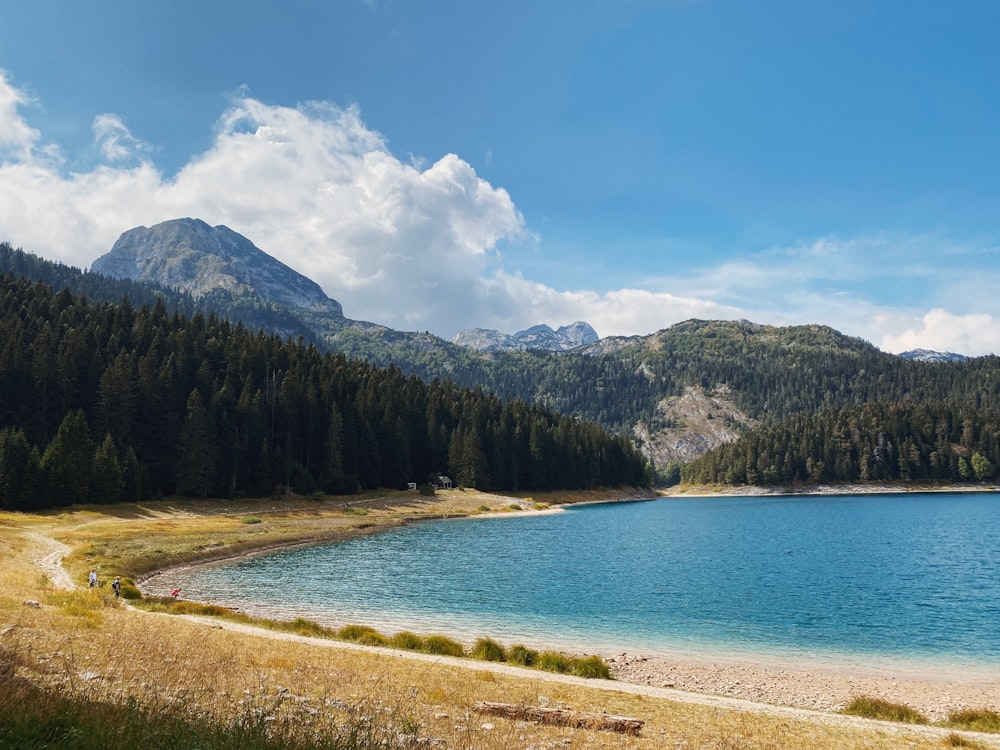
874	442
105	402
827	407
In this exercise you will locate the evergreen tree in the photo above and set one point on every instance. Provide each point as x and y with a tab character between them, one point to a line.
67	464
108	476
197	450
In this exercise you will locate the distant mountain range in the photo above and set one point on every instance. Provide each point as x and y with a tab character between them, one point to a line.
926	355
541	337
677	393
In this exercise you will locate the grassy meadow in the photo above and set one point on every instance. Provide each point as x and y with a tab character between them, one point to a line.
80	669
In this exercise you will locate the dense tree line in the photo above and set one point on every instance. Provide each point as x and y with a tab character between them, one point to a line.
868	443
107	402
785	378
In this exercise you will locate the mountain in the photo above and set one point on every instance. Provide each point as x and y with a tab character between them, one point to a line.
677	394
926	355
190	255
540	337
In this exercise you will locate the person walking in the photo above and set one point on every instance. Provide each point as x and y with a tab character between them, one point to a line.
117	586
93	579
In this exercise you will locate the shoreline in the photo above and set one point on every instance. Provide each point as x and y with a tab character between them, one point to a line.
831	490
808	682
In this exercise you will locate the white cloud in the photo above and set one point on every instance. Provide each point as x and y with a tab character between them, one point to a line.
419	247
115	142
940	330
16	138
312	185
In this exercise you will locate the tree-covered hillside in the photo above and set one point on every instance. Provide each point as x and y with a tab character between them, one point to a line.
741	374
102	402
875	442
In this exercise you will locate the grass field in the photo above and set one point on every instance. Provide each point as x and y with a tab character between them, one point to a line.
67	655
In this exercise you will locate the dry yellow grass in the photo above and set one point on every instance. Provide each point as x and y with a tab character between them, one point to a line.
85	641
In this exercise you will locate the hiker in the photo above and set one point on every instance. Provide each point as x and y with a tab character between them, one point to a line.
175	592
117	586
93	579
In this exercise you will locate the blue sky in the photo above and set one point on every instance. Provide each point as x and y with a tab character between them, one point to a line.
448	165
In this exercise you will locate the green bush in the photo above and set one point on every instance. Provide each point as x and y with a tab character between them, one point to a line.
407	641
522	656
302	626
975	720
129	590
591	667
442	645
251	520
553	661
877	708
486	649
361	634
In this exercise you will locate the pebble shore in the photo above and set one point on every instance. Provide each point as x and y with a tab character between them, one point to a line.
817	689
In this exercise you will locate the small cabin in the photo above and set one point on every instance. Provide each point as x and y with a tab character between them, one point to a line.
442	483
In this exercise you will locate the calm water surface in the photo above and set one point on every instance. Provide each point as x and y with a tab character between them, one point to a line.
909	576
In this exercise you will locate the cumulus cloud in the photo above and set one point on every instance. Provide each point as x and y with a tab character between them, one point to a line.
16	138
418	245
940	330
394	242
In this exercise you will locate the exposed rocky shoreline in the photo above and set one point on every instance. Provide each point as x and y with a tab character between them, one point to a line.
818	688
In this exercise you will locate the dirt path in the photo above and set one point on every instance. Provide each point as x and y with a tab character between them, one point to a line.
48	557
673	694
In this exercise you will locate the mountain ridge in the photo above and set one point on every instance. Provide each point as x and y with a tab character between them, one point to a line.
541	336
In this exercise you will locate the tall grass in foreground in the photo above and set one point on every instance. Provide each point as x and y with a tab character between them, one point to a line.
34	718
46	706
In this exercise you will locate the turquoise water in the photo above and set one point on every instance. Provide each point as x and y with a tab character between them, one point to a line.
914	576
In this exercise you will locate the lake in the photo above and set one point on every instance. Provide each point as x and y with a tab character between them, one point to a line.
911	576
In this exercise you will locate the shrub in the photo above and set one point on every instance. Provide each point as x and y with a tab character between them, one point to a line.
486	649
130	590
975	720
553	661
251	520
591	667
442	645
877	708
302	626
362	634
522	655
407	641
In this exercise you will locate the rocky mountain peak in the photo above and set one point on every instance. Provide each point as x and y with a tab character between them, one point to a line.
190	255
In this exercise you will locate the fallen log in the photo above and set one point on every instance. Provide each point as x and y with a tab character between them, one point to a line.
562	717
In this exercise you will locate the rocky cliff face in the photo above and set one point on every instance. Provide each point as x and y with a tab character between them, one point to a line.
537	337
192	256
